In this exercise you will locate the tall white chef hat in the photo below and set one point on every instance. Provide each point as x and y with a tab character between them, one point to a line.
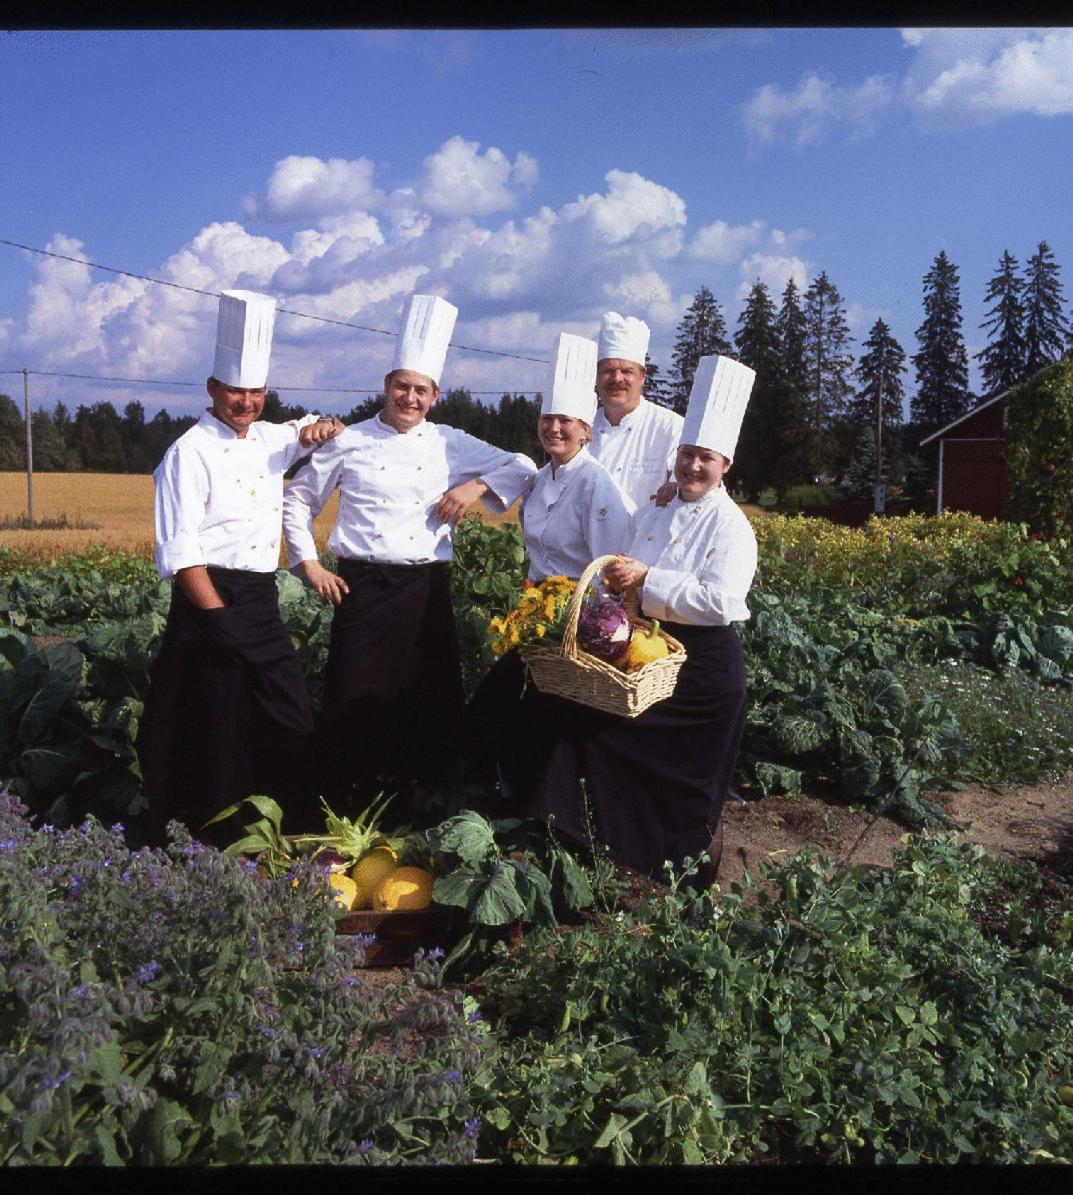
244	338
427	324
571	379
623	336
717	402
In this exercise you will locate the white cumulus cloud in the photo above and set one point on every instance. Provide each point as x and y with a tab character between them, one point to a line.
723	242
969	76
307	188
807	113
461	181
774	270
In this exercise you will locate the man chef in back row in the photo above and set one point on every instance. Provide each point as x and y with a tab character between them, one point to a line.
635	440
393	698
227	713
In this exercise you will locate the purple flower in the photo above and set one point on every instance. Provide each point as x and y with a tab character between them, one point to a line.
50	1083
472	1127
147	970
366	1146
117	829
435	954
453	1076
8	844
318	1051
268	1031
474	1016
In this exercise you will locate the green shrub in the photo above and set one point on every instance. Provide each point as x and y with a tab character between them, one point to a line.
1039	440
873	1016
167	1008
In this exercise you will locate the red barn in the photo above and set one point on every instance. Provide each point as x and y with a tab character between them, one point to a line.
972	461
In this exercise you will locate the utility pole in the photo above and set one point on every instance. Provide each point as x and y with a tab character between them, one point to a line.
29	447
880	504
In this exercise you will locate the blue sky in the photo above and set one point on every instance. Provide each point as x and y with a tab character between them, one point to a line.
536	178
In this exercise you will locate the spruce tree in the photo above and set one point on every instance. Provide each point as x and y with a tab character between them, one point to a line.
879	373
757	341
655	387
701	333
1045	327
828	368
1002	362
790	448
942	364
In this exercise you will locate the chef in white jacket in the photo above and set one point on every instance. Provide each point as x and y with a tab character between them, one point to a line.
575	511
655	785
634	439
226	713
393	691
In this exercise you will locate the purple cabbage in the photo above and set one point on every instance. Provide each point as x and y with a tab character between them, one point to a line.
603	629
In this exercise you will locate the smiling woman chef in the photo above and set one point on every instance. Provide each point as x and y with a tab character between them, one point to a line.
656	783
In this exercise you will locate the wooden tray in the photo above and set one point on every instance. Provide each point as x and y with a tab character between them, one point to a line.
400	932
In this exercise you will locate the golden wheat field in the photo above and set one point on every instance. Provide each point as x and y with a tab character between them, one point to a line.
121	504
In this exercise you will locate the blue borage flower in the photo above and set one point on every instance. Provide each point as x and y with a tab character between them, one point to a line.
472	1127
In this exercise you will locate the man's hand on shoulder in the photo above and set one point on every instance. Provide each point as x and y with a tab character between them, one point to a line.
329	586
318	433
667	491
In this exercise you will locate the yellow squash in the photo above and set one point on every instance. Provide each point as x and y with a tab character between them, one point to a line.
645	646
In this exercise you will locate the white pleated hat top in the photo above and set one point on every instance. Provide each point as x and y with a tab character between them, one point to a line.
571	379
244	338
717	402
427	324
624	337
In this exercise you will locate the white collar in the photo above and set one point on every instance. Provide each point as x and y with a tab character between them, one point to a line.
575	462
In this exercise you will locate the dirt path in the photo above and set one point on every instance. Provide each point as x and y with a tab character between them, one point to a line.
1018	823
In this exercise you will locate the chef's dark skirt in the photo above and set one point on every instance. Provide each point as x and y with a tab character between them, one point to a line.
227	713
654	784
393	697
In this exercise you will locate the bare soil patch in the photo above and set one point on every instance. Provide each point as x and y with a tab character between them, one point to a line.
1033	823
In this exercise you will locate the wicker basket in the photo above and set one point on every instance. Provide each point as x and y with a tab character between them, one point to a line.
570	672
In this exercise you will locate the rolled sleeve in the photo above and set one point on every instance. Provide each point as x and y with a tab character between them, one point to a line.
178	508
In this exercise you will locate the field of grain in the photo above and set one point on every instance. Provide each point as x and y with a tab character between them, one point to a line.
121	504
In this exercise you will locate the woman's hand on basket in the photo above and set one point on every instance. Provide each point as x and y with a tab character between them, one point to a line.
625	573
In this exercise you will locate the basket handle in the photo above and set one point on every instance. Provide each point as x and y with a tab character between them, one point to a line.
577	599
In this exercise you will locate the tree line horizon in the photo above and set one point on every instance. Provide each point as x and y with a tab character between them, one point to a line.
814	413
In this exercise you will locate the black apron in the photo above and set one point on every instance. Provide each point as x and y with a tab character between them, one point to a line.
654	785
227	713
393	697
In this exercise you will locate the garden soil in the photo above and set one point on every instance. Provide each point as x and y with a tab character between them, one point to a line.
1034	823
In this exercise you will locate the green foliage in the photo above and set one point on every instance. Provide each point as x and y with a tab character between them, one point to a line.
1011	728
499	872
486	578
1039	437
870	1016
163	1008
916	566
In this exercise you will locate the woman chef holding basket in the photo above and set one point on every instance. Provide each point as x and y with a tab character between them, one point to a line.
655	783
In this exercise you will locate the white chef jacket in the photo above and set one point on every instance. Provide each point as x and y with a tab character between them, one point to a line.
219	498
639	453
389	483
574	516
701	557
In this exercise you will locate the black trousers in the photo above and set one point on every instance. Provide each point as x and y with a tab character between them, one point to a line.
393	701
227	714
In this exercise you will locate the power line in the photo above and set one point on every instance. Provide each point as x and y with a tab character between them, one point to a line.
215	294
93	377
